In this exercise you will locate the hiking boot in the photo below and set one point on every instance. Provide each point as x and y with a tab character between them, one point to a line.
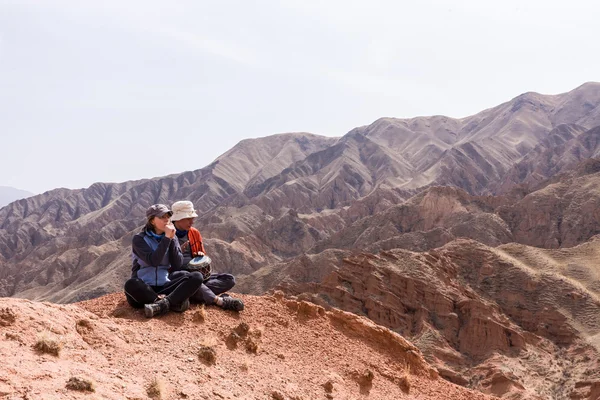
181	307
233	304
160	306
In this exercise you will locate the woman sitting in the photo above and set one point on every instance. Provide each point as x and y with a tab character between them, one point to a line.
155	253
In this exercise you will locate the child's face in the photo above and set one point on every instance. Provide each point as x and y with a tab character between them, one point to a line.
185	224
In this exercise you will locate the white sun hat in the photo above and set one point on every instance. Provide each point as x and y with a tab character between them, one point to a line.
183	209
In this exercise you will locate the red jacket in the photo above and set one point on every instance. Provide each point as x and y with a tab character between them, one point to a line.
196	244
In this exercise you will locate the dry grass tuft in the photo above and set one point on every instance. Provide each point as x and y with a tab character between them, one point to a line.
48	344
207	355
199	315
209	341
156	389
80	384
245	366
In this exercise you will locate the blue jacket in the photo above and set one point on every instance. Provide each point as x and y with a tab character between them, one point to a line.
153	258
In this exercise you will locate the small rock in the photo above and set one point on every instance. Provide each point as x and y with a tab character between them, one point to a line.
277	395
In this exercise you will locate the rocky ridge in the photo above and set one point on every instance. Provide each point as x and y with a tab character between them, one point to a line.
279	348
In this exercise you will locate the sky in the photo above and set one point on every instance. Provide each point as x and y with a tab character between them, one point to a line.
111	91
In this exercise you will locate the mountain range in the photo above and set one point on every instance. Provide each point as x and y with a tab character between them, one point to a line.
9	194
444	230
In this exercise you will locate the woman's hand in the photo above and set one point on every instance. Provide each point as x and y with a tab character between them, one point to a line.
170	230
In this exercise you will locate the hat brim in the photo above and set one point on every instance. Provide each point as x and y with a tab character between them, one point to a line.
163	214
183	215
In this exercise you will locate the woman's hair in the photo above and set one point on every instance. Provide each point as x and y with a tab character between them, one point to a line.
150	224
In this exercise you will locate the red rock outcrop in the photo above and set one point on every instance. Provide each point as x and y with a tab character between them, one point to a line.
473	310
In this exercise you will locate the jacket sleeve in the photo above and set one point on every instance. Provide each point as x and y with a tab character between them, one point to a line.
202	244
144	251
198	244
175	255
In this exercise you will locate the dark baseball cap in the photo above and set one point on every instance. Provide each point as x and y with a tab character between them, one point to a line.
158	210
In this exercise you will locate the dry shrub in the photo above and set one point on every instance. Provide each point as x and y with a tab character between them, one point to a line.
252	345
14	336
245	366
367	376
232	340
253	340
243	333
84	323
199	315
48	344
80	384
308	310
83	326
257	333
242	329
156	388
404	381
121	312
207	355
277	395
7	316
237	335
364	380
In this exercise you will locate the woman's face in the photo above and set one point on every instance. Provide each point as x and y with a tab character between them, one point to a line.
160	223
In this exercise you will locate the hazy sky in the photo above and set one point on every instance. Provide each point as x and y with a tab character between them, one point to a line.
118	90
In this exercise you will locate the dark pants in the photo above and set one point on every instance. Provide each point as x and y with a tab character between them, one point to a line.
177	290
210	288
